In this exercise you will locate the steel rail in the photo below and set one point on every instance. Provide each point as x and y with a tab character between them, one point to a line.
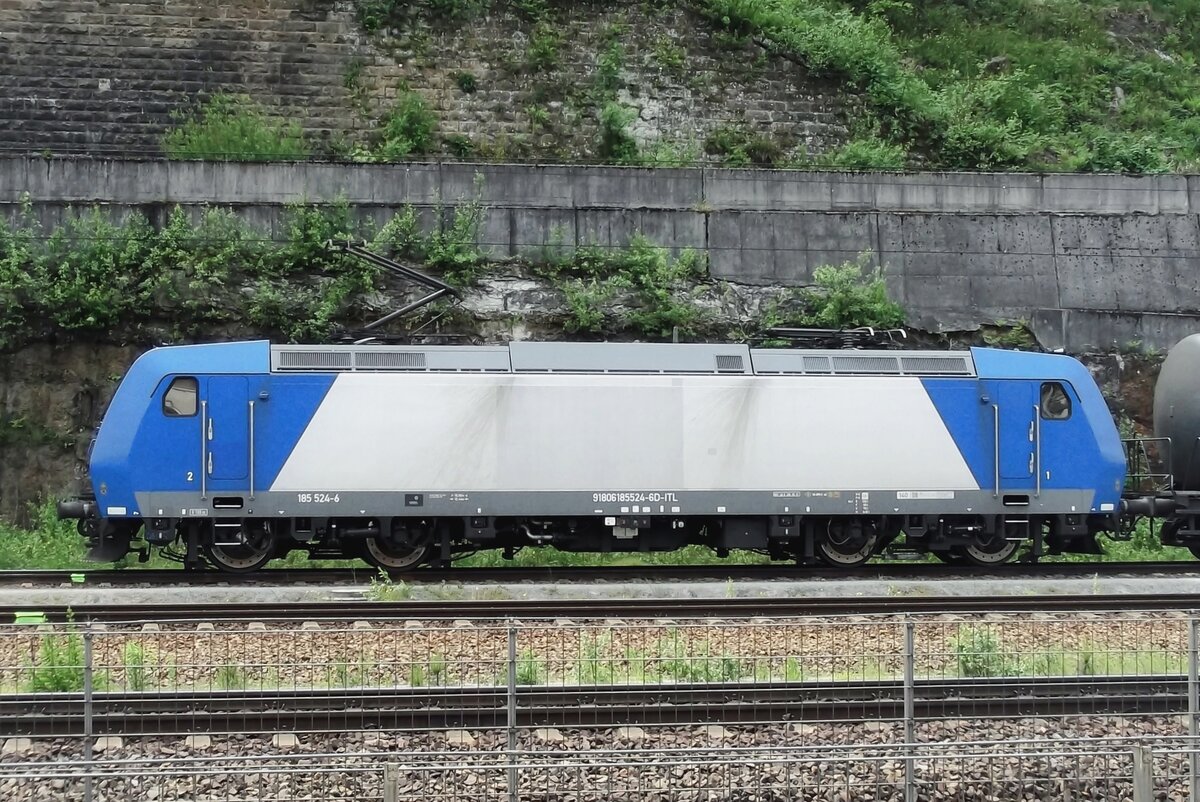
363	575
242	711
291	613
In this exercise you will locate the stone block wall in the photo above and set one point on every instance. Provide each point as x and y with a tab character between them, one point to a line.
104	77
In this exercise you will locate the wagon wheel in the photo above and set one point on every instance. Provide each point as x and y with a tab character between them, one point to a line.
403	549
992	550
256	549
847	544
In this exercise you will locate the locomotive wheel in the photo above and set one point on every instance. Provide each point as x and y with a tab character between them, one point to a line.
399	552
995	551
847	545
256	550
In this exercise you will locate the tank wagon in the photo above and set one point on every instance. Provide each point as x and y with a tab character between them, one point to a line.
232	454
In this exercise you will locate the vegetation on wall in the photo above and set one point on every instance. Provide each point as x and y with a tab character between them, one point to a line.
842	296
960	84
1004	84
209	270
234	128
96	276
655	284
405	130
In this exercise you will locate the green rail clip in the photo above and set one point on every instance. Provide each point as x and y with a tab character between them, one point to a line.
78	578
29	617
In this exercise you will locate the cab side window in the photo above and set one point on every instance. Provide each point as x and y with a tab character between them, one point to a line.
179	401
1055	403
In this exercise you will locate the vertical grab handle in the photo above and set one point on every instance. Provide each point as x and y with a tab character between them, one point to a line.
1037	450
252	451
996	448
203	450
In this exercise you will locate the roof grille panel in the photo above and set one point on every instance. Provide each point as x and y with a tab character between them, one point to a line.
396	360
730	363
817	364
943	365
865	364
307	360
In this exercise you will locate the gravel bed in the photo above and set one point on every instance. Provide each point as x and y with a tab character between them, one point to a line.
372	652
571	765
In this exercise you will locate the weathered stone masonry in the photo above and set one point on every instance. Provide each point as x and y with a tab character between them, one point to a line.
104	77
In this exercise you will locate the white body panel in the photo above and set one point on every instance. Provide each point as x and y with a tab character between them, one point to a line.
529	432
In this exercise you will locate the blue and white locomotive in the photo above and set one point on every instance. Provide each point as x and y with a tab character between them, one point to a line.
233	454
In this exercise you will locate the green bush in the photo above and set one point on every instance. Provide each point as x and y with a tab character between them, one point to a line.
135	659
608	68
234	128
91	271
59	666
739	147
406	130
374	14
586	302
466	81
656	283
865	153
544	43
1106	152
530	670
615	143
849	295
978	653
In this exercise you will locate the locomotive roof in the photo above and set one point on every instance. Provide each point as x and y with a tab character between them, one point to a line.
632	358
559	357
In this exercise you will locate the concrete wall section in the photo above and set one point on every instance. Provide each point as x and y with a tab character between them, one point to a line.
1093	262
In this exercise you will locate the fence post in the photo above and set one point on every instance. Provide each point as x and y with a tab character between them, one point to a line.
1193	710
910	728
88	687
391	781
1143	774
513	784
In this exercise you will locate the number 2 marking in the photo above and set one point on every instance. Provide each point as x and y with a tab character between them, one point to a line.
190	476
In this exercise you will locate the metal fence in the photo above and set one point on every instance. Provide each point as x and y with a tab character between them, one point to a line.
1082	706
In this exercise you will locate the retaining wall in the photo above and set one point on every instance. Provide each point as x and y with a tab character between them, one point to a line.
1093	262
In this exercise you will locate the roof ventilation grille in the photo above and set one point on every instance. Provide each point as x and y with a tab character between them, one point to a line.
396	360
730	363
817	364
944	365
865	364
304	360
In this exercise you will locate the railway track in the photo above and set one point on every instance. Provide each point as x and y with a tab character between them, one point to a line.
583	609
364	575
326	710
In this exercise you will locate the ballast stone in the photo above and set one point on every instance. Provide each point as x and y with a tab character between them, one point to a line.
460	738
631	733
15	746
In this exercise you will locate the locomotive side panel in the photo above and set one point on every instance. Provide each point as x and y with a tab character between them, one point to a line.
378	432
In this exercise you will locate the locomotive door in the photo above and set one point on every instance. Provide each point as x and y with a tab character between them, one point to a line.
1018	404
227	432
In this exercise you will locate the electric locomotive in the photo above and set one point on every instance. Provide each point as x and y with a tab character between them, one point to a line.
232	454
